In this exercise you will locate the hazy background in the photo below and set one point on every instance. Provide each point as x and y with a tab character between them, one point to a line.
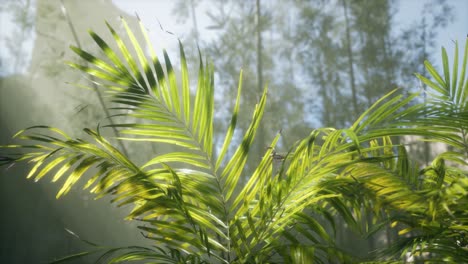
324	62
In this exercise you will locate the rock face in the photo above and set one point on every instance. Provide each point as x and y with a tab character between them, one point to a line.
33	222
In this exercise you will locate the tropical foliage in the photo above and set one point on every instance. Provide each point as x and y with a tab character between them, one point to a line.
196	202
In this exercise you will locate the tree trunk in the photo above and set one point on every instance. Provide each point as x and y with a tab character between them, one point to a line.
194	21
350	59
260	132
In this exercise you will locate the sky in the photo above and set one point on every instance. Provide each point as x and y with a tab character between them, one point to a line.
455	31
158	13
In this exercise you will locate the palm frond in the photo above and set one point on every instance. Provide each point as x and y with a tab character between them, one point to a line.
190	201
163	190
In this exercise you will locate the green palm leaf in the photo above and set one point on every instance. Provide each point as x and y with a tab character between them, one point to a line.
189	200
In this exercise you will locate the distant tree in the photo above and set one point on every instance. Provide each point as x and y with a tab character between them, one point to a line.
319	55
352	45
21	13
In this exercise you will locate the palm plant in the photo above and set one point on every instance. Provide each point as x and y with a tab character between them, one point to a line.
192	201
428	206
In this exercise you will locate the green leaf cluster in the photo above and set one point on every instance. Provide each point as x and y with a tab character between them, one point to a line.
194	202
